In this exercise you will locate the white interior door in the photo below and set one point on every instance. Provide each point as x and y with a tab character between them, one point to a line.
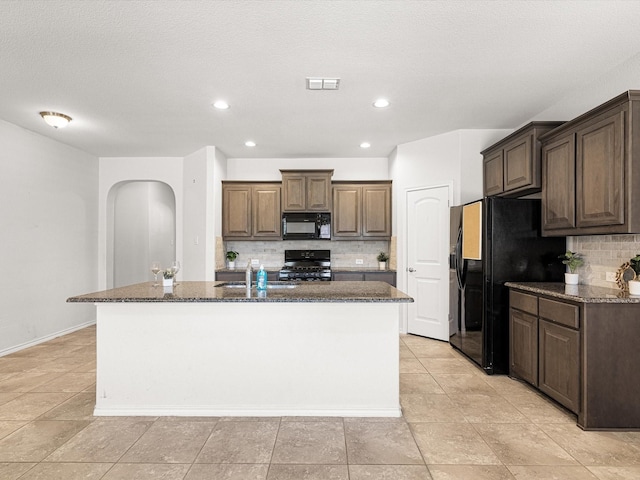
427	261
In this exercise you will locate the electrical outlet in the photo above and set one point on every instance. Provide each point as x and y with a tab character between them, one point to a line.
611	276
359	261
255	261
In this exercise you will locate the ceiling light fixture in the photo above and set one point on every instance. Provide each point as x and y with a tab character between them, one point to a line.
55	119
365	145
381	103
250	143
221	105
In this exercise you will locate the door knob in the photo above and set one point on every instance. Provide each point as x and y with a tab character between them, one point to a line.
411	269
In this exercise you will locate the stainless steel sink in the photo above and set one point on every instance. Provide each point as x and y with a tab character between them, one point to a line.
270	286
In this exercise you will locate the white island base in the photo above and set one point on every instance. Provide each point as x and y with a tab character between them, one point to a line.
248	359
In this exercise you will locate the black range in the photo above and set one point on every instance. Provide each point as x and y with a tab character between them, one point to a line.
307	265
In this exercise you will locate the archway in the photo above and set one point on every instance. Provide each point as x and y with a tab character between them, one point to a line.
141	228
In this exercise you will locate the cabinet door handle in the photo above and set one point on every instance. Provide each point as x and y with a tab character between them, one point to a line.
410	269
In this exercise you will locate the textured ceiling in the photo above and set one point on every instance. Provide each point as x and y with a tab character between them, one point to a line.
139	77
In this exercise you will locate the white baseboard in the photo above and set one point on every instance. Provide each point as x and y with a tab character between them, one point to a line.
37	341
235	411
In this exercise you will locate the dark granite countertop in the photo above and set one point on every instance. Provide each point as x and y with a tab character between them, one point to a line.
576	293
333	269
243	269
328	292
361	269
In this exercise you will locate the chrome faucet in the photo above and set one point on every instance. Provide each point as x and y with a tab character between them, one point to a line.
248	274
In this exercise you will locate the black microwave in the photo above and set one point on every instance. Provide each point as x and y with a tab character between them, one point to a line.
306	226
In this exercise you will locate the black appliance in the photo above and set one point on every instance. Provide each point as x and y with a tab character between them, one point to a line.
306	265
306	226
493	241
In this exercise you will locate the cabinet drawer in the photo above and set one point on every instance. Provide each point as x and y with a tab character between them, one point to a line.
347	277
389	277
559	312
522	301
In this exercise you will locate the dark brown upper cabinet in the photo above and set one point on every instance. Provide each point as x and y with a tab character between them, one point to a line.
251	211
512	166
591	171
306	190
361	210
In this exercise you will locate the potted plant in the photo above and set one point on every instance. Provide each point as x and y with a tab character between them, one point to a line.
382	260
167	277
572	260
231	258
634	284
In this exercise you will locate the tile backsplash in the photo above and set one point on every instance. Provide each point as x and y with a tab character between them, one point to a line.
602	254
343	253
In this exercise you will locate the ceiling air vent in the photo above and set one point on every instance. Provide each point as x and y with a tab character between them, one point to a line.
319	83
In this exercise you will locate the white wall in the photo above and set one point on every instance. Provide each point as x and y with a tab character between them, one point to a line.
219	173
268	169
216	249
113	171
450	159
203	171
602	253
48	236
196	186
595	92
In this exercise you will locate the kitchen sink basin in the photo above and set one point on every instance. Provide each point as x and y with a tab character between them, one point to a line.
270	286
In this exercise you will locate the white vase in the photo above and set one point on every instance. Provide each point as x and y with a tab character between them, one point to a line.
634	287
382	265
232	265
167	282
571	278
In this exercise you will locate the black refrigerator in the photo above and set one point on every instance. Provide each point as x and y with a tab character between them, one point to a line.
493	241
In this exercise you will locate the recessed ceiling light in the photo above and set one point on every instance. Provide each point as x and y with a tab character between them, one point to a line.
221	105
381	103
365	145
250	143
55	119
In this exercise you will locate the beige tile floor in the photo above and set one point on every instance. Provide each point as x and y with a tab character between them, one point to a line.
458	423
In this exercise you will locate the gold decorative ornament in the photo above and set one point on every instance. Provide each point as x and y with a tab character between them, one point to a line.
623	275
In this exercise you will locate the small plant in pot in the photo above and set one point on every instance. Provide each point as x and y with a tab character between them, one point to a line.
572	260
231	258
382	260
167	277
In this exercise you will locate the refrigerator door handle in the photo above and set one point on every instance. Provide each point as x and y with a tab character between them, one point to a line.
459	261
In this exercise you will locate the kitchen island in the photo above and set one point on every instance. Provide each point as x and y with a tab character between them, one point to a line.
218	349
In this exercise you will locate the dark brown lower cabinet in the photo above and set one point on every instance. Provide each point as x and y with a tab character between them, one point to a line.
559	364
523	346
584	355
381	276
347	276
239	276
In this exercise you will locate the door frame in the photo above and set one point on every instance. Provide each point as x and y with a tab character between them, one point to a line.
404	327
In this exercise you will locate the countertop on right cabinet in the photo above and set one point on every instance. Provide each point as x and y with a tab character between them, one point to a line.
576	293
